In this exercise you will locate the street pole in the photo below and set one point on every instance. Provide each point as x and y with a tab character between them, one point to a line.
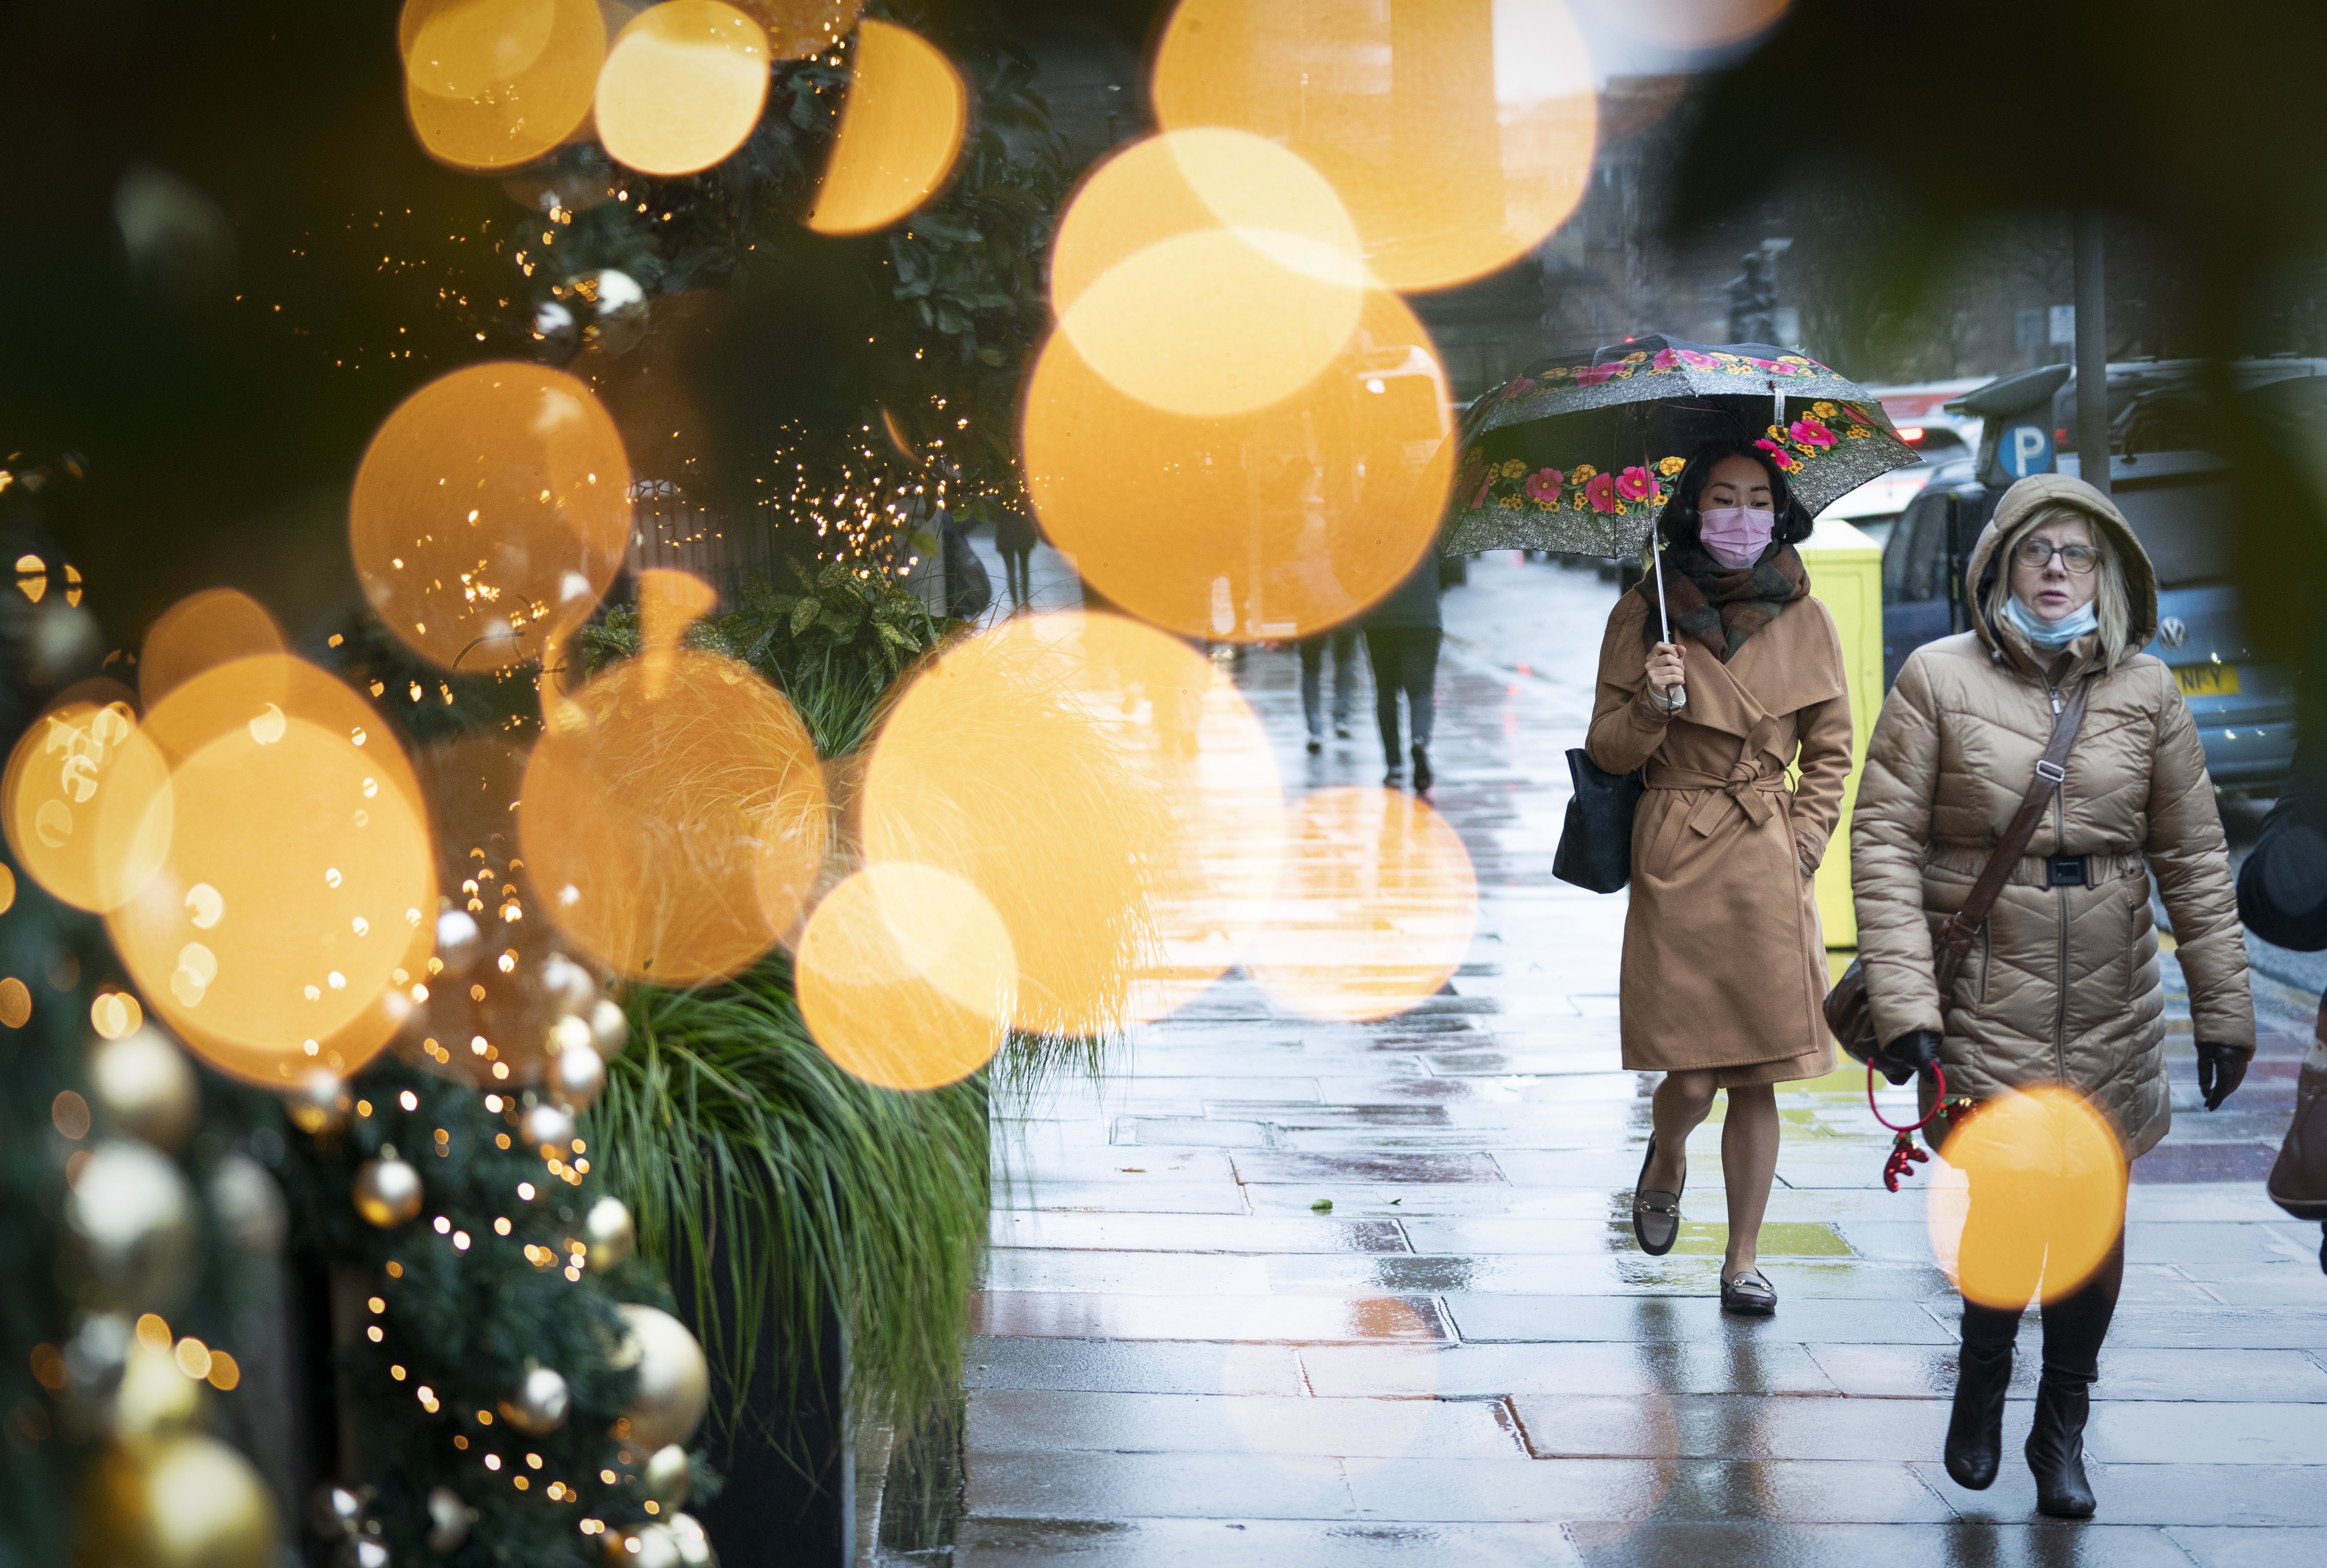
2092	355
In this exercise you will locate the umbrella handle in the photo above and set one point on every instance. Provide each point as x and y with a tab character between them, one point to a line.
1676	697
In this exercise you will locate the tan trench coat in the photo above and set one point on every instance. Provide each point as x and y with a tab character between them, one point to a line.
1725	966
2063	984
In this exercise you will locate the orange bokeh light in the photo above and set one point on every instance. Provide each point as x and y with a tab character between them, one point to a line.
85	802
200	632
797	29
654	826
1458	132
490	511
1269	524
1376	904
1207	272
495	84
2046	1174
901	130
298	876
682	87
992	766
906	977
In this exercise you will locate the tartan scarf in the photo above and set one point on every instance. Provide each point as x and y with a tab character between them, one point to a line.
1719	607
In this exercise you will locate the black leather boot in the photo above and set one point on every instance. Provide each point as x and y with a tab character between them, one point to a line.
2056	1450
1976	1429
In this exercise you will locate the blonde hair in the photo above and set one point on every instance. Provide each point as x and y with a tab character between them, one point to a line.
2112	603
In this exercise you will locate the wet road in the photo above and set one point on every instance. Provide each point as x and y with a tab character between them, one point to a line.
1179	1362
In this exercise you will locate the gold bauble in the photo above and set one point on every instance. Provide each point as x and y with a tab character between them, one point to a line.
571	987
145	1087
540	1403
335	1511
643	1546
667	1476
363	1552
545	1124
154	1397
674	1379
179	1501
449	1519
133	1215
318	1105
577	1075
387	1192
610	1232
610	1027
694	1547
569	1033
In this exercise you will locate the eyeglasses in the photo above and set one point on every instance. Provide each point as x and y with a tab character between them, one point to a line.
2037	555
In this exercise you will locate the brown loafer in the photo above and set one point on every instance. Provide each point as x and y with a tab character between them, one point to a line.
1656	1213
1749	1291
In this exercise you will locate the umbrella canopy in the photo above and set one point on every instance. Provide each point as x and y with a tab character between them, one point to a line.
1573	455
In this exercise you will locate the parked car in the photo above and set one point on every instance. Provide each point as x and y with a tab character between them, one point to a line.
2180	507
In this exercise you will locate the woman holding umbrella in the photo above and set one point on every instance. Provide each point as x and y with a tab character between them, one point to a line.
1725	966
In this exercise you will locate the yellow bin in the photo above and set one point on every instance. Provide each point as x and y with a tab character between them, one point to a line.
1846	570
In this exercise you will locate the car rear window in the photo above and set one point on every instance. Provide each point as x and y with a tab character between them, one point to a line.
2188	529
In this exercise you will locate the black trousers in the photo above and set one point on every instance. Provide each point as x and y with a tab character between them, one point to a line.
1404	658
1343	641
2074	1324
1015	566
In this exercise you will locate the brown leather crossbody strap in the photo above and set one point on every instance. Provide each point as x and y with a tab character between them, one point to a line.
1956	938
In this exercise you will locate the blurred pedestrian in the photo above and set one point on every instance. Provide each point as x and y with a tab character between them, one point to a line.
2283	900
1015	536
1724	969
2065	986
968	590
1402	635
1343	640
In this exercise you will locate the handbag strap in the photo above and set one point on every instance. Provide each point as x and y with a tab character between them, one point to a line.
2052	769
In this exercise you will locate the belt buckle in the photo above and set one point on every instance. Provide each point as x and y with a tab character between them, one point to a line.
2065	870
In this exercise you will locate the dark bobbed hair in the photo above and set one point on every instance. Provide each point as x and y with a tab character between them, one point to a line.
1677	524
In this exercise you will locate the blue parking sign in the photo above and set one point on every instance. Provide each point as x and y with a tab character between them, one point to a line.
2026	448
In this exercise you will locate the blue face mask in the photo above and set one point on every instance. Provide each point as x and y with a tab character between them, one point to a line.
2049	634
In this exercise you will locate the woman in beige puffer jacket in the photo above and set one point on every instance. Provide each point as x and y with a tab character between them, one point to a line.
2062	986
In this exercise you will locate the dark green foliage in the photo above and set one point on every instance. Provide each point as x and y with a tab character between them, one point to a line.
44	1455
465	1322
833	648
723	1121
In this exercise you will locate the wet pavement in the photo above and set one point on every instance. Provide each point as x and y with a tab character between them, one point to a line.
1181	1359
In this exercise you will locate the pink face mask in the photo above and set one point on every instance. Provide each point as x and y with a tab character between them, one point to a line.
1735	536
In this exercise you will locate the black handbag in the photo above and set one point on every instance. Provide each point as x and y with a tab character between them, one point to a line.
1596	843
2298	1176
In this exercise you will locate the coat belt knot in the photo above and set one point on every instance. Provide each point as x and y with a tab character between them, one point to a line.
1746	787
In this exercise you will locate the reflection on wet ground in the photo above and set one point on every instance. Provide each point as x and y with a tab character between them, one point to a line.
1183	1359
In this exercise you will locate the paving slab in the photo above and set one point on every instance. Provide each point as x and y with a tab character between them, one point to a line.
1961	1545
1696	1319
1045	1421
1285	1319
2249	1546
991	1543
1195	1233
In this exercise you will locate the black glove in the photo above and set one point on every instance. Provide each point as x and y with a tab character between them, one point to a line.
2220	1069
1917	1051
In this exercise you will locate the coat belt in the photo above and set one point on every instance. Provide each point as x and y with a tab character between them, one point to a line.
1744	786
2029	870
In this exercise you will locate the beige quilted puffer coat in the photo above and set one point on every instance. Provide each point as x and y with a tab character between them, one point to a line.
2064	984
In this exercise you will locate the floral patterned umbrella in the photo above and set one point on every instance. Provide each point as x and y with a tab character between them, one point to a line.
1576	457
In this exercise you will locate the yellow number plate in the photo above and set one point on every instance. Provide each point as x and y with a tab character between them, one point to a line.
2208	680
